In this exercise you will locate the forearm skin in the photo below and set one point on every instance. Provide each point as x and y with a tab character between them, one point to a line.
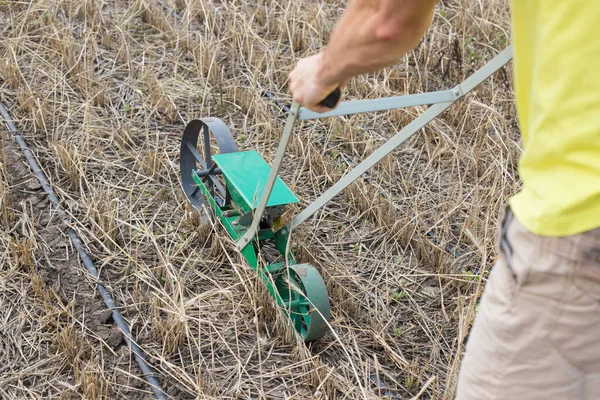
373	34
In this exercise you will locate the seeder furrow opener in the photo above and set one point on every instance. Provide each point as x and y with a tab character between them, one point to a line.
248	198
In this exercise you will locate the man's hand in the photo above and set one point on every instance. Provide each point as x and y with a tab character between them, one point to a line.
307	84
372	34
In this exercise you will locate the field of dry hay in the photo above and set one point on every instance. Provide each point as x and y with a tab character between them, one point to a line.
102	91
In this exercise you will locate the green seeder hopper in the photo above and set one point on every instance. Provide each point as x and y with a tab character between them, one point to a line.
245	194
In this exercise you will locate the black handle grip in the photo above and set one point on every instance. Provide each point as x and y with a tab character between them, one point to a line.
333	98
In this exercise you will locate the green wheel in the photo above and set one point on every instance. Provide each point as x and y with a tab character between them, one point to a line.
305	299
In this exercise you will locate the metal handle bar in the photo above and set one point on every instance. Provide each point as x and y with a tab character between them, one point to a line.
383	104
441	100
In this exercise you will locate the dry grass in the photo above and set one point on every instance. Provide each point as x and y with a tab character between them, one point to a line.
102	91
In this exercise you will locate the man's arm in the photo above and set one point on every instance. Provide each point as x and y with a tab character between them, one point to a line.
372	34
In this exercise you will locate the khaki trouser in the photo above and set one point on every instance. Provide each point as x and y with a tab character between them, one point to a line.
537	331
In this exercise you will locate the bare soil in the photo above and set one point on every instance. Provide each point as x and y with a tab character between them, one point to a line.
50	293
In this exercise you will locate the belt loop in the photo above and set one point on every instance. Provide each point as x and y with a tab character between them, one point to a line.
504	242
508	216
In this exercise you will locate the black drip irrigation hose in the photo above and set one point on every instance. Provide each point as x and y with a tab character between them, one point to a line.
85	258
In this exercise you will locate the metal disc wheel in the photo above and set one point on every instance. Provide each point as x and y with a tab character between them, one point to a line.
305	299
195	156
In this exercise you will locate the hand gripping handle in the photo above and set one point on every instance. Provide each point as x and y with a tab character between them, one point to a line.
332	99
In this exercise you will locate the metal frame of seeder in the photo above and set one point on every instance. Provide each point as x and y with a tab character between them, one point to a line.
248	198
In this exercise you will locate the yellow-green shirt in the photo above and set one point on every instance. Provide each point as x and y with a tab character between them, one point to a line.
557	84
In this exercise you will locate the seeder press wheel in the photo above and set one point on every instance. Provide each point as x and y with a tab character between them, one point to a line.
305	298
298	288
